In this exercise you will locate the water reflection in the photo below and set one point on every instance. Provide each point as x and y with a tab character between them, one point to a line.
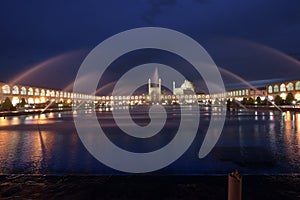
297	132
271	115
289	131
253	142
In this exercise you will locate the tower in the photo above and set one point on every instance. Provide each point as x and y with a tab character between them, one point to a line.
159	87
173	87
155	91
149	85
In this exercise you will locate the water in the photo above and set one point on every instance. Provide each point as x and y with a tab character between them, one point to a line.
254	142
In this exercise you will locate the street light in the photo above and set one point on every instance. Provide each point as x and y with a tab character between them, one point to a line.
294	103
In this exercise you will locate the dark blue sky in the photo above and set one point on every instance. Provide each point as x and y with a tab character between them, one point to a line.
257	39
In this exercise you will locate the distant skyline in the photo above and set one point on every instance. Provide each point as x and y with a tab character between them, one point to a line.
257	40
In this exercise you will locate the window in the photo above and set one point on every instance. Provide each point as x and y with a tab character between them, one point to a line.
42	92
23	91
30	91
282	88
298	85
36	92
275	88
15	90
290	87
5	89
270	89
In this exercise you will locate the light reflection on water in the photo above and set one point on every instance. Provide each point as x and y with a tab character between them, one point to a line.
254	142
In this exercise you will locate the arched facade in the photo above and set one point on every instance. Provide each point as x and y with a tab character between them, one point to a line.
6	89
23	90
30	91
290	87
270	89
35	95
282	87
276	88
297	85
15	89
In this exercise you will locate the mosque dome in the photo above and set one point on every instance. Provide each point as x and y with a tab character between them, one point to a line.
187	85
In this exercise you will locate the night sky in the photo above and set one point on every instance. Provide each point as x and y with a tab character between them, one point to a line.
258	40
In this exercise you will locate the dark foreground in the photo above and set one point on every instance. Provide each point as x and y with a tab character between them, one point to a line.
144	187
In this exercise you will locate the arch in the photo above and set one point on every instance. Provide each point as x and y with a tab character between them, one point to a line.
57	94
6	89
42	92
42	99
270	89
282	87
23	90
276	88
15	90
47	93
36	92
298	85
30	91
290	87
30	100
15	100
52	93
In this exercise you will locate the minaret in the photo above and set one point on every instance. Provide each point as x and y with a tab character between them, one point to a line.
149	86
173	87
159	86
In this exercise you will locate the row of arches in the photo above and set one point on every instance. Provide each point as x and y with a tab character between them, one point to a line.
283	88
238	93
146	97
16	90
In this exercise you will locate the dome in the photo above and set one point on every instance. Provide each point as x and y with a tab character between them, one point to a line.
187	85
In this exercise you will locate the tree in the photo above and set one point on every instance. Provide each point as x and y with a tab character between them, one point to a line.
7	105
250	101
228	102
278	100
258	100
22	103
289	99
217	101
244	101
265	102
